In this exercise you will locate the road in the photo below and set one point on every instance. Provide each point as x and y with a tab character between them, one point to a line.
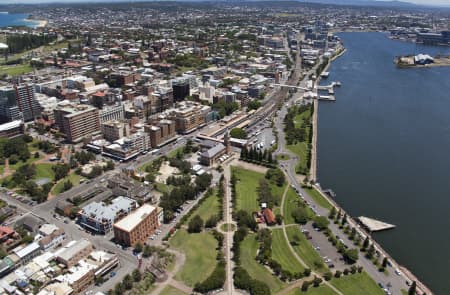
395	281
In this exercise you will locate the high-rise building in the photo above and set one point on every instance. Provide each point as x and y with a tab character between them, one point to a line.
19	103
77	121
180	90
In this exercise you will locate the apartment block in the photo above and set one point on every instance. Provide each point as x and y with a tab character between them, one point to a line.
19	103
77	121
161	132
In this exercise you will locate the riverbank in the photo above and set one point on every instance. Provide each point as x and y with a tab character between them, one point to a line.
370	154
313	166
405	62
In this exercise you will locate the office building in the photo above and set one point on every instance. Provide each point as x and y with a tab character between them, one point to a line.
73	252
161	132
137	226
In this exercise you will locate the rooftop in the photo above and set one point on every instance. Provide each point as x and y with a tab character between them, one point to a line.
132	220
72	248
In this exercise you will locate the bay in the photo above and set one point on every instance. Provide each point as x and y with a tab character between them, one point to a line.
16	19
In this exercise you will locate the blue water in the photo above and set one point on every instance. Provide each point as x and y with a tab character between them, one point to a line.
15	19
384	149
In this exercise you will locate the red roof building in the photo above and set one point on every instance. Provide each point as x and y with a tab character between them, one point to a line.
6	233
269	216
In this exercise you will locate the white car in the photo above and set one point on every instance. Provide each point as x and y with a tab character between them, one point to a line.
398	272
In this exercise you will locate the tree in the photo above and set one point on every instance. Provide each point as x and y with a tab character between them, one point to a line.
351	255
254	105
138	247
328	276
385	262
147	251
321	222
305	286
136	274
67	185
127	282
36	155
279	219
61	171
317	281
212	221
300	215
365	243
370	252
332	213
412	288
238	133
276	176
195	224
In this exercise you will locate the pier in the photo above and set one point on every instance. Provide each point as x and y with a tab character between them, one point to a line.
374	225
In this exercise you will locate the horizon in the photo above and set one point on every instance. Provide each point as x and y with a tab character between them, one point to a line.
445	3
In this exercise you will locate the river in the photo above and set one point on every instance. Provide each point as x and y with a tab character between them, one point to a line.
384	145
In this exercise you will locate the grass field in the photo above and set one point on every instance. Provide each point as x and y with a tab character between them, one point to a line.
301	148
282	157
44	170
73	177
282	254
249	247
318	198
305	250
248	181
291	202
357	284
172	291
16	70
321	290
200	253
208	208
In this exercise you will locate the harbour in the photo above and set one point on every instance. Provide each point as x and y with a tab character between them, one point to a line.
371	152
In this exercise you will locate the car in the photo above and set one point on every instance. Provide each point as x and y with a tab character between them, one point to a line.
398	272
112	274
381	285
408	283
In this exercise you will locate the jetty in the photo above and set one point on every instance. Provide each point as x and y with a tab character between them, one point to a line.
374	225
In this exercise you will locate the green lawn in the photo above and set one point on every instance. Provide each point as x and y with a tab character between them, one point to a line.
282	253
162	187
73	177
301	149
200	253
249	247
172	291
248	181
305	250
291	201
282	157
31	160
15	70
246	186
318	198
359	283
44	170
321	290
208	208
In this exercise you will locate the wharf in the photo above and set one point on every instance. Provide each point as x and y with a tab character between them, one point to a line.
327	97
374	225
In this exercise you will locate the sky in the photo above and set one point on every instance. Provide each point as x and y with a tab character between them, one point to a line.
423	2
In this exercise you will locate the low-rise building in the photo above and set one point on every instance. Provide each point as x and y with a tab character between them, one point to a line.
122	185
137	226
73	252
11	129
211	155
114	130
100	217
